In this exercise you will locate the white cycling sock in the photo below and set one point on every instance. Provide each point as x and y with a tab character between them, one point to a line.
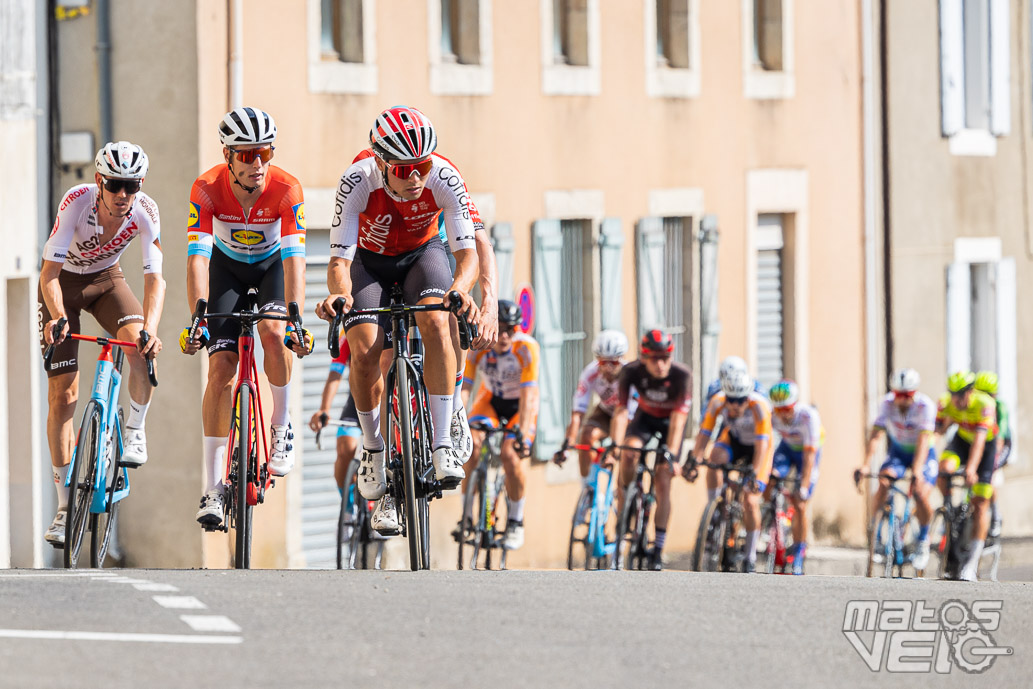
280	394
214	463
751	545
515	510
369	421
457	396
137	412
441	420
60	474
971	568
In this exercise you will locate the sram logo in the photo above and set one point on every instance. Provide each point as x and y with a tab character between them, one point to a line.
248	237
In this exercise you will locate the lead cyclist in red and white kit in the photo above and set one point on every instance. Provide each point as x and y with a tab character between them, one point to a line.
94	225
385	231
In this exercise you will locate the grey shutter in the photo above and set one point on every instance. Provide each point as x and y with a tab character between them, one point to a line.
952	67
959	301
1000	72
611	241
770	342
502	240
649	271
320	500
547	275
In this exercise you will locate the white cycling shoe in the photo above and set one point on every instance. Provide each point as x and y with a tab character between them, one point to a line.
134	453
281	459
213	505
462	439
55	535
384	519
514	536
372	474
448	468
921	556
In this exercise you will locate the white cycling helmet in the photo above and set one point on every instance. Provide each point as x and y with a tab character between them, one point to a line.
729	364
737	384
610	344
904	380
121	160
245	126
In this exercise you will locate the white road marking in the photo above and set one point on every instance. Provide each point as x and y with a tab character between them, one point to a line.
106	636
151	586
210	623
181	602
57	574
124	580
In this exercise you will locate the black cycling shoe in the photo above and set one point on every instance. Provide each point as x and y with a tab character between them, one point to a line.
749	567
655	563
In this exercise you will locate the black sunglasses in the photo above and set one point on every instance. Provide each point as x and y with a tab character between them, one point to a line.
131	186
736	400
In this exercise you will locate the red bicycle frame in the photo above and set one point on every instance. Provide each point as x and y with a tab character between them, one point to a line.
247	374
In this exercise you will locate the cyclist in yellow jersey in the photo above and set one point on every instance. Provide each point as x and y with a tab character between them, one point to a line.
975	414
508	395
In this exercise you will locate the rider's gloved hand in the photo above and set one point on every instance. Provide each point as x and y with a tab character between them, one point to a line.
290	343
561	455
749	481
201	335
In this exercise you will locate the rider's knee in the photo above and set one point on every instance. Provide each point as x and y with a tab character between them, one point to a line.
221	369
63	395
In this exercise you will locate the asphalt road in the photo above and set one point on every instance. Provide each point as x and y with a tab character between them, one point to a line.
161	628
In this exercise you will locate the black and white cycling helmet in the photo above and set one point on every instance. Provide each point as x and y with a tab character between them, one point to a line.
610	344
121	160
737	384
730	364
247	126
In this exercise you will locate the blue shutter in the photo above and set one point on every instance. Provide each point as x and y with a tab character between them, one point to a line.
547	271
502	240
611	240
649	270
952	67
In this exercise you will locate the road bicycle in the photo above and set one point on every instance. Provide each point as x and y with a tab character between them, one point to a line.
478	530
893	533
590	547
950	531
776	533
98	481
721	537
247	475
359	546
633	549
409	430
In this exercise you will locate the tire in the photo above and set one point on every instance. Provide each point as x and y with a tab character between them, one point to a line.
580	531
880	541
470	536
102	524
769	533
493	540
349	519
707	554
246	469
734	559
80	496
424	469
413	521
629	530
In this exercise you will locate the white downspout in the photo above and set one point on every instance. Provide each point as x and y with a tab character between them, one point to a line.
871	310
236	65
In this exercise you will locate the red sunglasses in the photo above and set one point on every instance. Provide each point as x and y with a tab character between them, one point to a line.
405	170
248	156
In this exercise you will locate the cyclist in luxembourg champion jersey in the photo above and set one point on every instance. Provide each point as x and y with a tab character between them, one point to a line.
246	228
745	440
508	395
974	449
94	225
664	398
384	232
799	427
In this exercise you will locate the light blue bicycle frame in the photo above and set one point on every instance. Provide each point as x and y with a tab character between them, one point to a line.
602	503
106	385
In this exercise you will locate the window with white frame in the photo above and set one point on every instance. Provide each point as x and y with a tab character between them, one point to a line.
342	46
570	47
663	265
672	48
975	74
768	49
460	46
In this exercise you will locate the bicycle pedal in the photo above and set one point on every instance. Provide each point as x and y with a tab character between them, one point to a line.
447	483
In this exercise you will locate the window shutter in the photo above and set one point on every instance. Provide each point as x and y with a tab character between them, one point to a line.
1000	68
649	269
959	301
952	67
1007	355
611	241
502	240
547	271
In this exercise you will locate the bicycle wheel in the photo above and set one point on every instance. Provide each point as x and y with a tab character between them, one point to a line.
494	537
706	556
247	466
630	530
734	550
580	531
349	524
767	545
413	522
424	469
101	524
470	523
83	472
880	546
939	542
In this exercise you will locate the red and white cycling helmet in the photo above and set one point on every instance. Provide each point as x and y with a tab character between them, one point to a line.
121	160
246	126
403	134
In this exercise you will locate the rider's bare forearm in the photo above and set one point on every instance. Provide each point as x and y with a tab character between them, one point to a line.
675	432
51	288
488	277
333	381
338	276
294	280
574	426
153	301
466	270
529	409
619	424
197	279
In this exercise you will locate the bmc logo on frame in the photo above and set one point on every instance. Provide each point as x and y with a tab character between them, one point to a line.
914	636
